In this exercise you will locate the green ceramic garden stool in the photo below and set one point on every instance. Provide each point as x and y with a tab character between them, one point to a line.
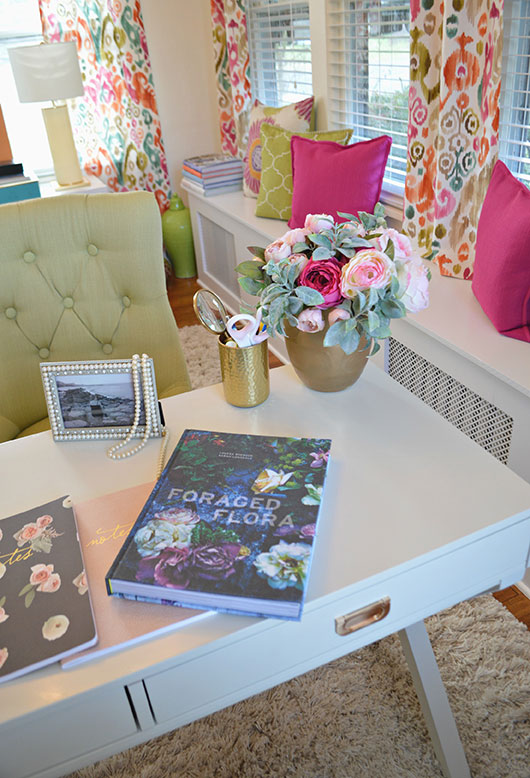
178	238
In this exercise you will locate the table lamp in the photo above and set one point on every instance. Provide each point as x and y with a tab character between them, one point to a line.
50	71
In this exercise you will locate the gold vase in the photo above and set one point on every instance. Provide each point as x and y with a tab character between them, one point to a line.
323	368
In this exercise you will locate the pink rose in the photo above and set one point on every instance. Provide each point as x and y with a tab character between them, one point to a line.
367	268
414	280
277	250
402	244
324	276
40	573
310	320
336	314
43	521
51	584
314	222
297	235
28	532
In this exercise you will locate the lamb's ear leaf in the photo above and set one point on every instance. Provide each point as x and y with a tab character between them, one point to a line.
250	285
258	251
335	333
309	296
250	268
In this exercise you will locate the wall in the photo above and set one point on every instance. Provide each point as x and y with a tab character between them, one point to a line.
180	45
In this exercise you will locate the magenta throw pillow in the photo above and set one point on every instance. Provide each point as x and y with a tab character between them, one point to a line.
501	273
329	177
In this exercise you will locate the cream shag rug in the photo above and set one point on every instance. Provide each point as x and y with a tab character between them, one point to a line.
357	717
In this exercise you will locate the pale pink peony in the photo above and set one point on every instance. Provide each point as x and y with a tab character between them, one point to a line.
51	584
414	280
336	314
367	268
277	250
314	222
297	235
402	244
310	320
43	521
40	574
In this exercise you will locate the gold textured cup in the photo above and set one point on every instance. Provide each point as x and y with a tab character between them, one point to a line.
245	373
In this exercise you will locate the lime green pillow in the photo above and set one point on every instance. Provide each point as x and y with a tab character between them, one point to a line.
276	187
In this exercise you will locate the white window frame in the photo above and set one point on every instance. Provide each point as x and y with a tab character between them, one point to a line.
280	71
343	77
514	127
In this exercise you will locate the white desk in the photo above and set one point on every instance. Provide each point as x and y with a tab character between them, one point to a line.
413	511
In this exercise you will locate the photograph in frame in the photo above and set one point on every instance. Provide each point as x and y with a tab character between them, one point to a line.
96	399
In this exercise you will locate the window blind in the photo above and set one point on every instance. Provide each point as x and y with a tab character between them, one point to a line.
514	143
368	74
280	50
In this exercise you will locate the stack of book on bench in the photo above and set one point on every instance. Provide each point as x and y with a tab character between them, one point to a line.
211	174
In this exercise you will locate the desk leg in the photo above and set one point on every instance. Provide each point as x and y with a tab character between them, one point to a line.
433	700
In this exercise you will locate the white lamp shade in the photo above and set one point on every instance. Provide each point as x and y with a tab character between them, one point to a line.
49	71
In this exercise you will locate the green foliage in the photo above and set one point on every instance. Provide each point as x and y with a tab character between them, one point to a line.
204	535
282	297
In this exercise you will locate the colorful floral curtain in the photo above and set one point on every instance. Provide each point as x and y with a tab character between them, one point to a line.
232	67
116	124
455	76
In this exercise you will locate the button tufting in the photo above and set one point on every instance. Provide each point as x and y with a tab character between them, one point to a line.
126	301
68	302
11	313
29	256
92	249
44	353
107	348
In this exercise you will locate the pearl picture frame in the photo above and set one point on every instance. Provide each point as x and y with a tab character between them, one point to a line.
136	376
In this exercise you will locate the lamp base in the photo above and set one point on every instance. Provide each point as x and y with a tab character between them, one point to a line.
62	187
65	161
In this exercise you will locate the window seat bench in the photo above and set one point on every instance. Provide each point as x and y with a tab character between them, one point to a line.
449	355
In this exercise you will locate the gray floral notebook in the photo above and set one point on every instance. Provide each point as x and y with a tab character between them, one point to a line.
45	609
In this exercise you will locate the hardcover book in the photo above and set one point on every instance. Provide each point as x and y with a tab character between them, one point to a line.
207	162
229	526
45	609
103	524
209	192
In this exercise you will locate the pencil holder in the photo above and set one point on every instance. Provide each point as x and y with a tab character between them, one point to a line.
245	373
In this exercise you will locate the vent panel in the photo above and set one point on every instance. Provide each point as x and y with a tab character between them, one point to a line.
477	418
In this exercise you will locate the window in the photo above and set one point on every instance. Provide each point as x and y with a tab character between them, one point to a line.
20	26
514	146
368	75
280	50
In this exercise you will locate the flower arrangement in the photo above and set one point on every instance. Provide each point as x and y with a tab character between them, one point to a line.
359	274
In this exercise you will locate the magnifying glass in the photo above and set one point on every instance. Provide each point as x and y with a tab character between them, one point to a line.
210	311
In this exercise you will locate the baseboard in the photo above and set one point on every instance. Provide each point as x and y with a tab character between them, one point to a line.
523	588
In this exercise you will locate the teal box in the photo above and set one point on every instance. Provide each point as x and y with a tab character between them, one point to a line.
13	192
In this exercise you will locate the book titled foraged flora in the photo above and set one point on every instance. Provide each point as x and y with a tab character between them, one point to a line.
229	526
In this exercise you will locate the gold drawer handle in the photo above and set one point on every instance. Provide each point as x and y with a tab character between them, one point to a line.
369	614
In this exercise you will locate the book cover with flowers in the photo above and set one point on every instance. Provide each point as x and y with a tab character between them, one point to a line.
229	526
45	609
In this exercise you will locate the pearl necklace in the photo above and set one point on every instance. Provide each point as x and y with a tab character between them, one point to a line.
141	377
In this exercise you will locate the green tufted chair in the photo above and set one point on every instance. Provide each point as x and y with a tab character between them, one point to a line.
81	277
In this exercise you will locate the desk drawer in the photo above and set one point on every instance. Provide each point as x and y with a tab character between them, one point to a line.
30	746
274	651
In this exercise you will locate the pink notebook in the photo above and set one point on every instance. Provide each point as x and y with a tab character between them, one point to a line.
103	524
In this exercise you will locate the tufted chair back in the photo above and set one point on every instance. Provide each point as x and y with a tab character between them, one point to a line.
81	277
